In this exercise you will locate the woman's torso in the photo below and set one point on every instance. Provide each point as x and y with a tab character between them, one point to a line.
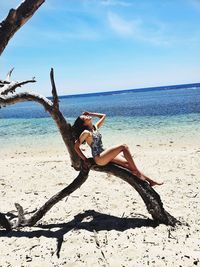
94	140
94	137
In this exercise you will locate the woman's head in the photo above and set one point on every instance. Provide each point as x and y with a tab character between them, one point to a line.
83	122
87	120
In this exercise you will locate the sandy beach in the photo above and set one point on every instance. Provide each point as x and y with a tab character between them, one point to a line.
131	68
105	222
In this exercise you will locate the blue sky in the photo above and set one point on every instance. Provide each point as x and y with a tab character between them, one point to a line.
104	45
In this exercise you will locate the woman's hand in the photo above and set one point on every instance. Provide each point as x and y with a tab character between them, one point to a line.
99	115
86	113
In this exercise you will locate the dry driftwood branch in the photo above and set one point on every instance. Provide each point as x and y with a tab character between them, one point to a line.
54	91
4	222
9	86
12	86
77	182
21	97
150	197
22	221
8	78
15	19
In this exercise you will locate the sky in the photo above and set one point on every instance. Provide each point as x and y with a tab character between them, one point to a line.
105	45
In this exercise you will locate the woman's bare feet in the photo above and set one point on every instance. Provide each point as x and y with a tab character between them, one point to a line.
150	181
145	178
153	183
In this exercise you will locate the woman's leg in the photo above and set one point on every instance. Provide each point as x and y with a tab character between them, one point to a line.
133	167
112	155
109	154
131	163
120	160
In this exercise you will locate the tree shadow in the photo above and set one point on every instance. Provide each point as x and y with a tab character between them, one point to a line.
89	220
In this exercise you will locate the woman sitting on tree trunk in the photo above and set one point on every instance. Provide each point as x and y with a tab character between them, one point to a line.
85	131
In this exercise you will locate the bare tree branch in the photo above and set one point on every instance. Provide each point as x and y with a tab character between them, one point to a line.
21	97
16	19
4	222
150	197
8	78
21	217
54	91
12	86
2	83
78	181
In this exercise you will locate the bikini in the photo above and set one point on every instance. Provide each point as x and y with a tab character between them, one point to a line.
96	146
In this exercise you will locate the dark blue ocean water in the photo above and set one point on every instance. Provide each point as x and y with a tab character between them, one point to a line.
148	113
128	104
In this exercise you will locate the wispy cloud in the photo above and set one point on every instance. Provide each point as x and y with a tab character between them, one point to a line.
137	29
122	26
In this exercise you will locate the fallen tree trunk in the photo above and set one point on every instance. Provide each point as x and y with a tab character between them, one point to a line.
150	197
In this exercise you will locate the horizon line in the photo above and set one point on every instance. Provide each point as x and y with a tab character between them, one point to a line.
152	88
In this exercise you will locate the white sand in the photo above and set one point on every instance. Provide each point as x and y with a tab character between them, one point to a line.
113	230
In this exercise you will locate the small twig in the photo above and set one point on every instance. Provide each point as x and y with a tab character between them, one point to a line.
96	239
170	235
20	211
4	222
9	75
192	196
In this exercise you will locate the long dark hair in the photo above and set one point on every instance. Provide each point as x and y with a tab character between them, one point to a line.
78	127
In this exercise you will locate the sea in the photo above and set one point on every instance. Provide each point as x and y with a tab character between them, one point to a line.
132	115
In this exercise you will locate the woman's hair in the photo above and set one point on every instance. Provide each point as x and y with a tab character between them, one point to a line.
78	127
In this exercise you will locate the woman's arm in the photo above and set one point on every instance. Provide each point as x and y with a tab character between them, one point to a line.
78	142
99	115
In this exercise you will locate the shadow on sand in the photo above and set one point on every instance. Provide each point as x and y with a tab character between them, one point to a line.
89	220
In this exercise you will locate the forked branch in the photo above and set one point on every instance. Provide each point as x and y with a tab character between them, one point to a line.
150	197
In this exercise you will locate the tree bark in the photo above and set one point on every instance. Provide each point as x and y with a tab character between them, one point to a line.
149	195
15	19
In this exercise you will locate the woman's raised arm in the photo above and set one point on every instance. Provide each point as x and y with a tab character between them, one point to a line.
99	115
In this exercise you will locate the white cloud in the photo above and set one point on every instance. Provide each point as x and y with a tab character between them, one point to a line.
139	30
122	26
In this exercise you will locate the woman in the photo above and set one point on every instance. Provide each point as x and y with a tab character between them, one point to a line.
85	131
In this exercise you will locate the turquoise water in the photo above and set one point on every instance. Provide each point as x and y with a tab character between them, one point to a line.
152	113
